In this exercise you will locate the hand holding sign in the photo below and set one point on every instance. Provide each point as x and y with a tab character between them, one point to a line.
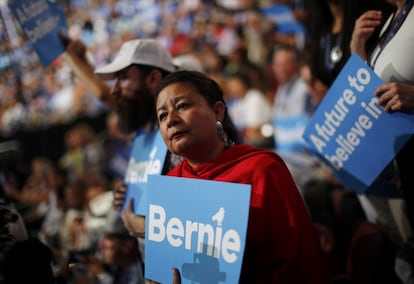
351	132
74	47
135	224
176	277
396	96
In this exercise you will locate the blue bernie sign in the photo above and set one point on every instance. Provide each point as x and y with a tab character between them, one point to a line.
352	133
41	21
147	158
196	226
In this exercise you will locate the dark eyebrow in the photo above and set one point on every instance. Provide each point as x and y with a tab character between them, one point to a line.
176	99
161	107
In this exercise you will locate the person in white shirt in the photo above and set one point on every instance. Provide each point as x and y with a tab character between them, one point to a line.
392	60
248	107
290	113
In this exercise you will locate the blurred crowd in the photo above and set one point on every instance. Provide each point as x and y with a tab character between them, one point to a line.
223	36
253	49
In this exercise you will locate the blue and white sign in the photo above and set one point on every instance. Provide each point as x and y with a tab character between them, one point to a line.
283	18
351	132
147	158
196	226
288	134
41	21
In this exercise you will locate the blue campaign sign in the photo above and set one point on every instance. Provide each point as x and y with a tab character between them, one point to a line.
196	226
352	133
288	132
41	21
147	158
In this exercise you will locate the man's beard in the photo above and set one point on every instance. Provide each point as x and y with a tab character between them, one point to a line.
136	112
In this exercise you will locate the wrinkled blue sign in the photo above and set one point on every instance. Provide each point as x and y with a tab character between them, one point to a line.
41	21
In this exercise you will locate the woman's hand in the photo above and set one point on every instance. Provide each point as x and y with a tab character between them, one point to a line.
364	27
395	96
135	224
176	277
119	191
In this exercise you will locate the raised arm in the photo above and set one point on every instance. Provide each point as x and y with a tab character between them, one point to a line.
75	56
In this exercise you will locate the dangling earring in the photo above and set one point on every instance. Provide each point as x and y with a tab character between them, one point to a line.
220	130
222	134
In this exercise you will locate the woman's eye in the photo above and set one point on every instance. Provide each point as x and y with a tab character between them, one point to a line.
182	105
161	116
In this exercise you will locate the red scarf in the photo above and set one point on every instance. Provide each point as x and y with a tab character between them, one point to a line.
281	243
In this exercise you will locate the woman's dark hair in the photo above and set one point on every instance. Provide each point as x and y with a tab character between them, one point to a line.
206	87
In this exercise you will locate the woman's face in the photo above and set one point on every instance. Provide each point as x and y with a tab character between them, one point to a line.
188	124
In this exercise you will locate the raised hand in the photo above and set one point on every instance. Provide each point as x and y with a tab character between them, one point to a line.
364	27
74	47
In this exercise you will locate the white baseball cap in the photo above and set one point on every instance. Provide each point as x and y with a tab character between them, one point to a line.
138	51
188	62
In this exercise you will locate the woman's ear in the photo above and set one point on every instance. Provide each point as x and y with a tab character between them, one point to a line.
219	109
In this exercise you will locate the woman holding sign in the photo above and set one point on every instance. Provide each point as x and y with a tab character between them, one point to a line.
393	61
281	244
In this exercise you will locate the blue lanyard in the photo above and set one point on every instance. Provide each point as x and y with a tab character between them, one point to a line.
392	29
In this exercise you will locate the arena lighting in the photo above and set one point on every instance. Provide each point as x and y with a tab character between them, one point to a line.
267	130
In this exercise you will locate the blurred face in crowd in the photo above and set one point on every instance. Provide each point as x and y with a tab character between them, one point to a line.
133	98
73	139
284	66
75	196
188	124
235	87
40	167
119	250
110	249
317	89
